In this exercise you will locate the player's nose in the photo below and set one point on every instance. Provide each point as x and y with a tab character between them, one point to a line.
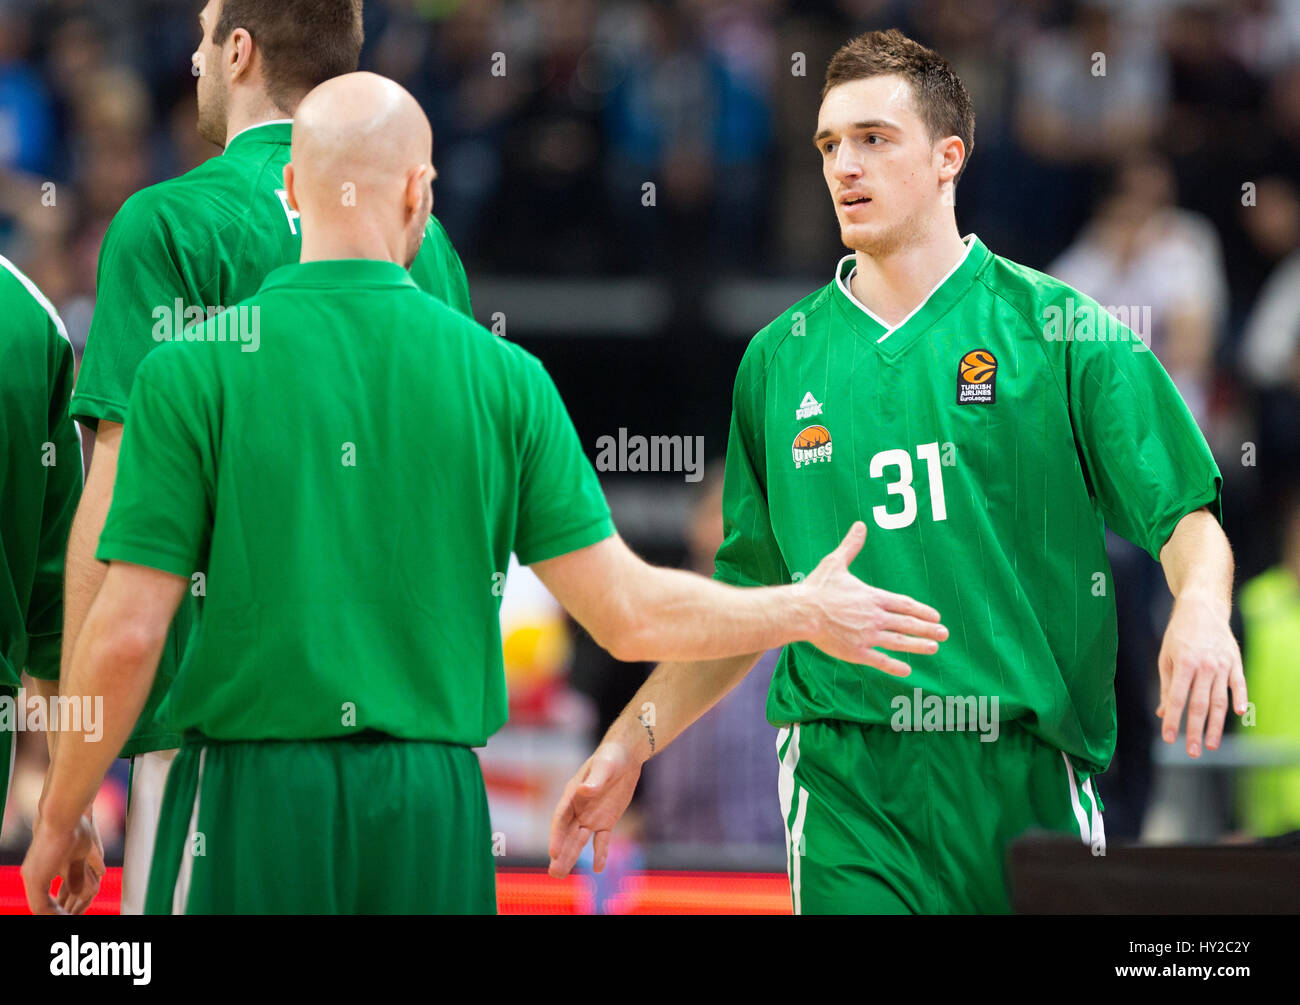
847	163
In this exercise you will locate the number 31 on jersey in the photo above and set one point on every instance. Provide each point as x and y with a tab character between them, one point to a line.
902	485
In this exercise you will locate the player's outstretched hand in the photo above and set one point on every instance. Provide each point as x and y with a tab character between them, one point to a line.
592	804
855	617
1199	661
76	854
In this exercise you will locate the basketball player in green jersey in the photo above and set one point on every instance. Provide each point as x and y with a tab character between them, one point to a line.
40	481
179	251
986	422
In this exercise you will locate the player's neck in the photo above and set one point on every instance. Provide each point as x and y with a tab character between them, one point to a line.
892	286
240	119
326	244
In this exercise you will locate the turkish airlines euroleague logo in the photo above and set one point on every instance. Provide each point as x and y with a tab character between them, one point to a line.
975	378
813	444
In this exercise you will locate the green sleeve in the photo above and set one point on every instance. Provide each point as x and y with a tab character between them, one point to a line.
139	273
749	555
561	505
1147	463
438	271
161	516
62	492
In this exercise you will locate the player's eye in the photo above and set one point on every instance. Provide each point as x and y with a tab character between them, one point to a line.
874	136
828	147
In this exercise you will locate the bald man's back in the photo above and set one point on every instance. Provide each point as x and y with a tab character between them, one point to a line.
350	463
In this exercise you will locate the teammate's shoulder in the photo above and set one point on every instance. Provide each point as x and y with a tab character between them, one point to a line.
174	201
191	356
173	193
446	318
435	229
486	351
436	253
156	207
28	312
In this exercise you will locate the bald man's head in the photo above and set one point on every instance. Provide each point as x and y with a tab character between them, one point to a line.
361	165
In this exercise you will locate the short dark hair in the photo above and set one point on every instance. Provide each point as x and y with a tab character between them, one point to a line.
303	42
941	98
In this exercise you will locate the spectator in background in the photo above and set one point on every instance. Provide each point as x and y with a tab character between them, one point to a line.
979	38
1213	132
26	116
1076	109
1270	349
1088	93
692	121
716	784
1266	33
466	67
1270	611
27	136
1142	251
553	160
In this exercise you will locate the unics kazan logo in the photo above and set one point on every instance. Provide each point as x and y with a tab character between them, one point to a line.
813	444
975	378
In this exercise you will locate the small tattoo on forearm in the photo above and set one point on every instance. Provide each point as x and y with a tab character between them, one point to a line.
650	731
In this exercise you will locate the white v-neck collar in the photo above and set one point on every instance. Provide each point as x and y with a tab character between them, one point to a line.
847	290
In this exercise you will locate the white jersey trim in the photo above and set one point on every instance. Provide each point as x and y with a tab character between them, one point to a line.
845	287
37	295
256	125
53	312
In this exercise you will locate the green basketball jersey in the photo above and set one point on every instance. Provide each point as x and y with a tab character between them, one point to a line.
181	250
40	479
985	441
352	488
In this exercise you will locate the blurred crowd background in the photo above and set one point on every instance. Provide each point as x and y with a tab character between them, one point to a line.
1170	182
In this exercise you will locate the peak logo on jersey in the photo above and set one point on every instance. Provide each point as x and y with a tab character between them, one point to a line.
809	407
813	444
975	378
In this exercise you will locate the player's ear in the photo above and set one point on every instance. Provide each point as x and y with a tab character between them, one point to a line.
419	195
240	59
288	188
952	155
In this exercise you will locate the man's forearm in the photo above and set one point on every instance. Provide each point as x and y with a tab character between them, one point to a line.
675	615
672	698
106	662
83	573
83	577
1197	560
48	692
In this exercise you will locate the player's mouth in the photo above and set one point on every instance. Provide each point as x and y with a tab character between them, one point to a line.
850	203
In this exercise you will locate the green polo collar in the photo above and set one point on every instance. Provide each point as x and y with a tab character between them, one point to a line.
340	272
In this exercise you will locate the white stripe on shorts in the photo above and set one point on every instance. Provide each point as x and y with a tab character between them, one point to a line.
1074	801
181	893
796	857
1098	831
148	783
785	790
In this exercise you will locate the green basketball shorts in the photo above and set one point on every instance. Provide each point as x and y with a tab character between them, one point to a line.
886	822
364	825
